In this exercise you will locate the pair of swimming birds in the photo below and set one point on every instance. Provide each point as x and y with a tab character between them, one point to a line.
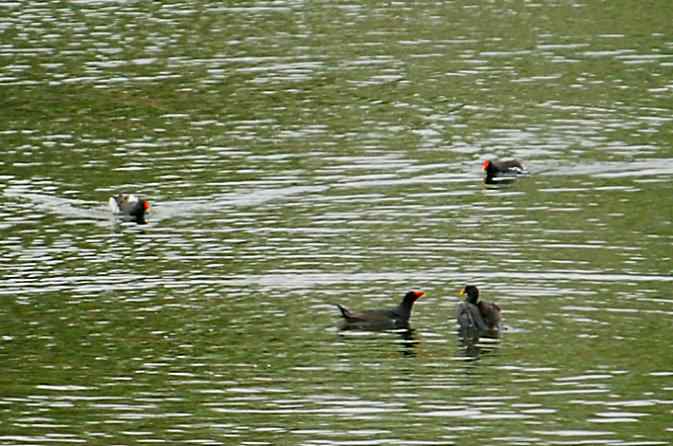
473	315
134	208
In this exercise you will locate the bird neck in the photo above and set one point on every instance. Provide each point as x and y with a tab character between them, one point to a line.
405	307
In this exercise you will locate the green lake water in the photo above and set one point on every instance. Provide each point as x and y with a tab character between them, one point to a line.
301	154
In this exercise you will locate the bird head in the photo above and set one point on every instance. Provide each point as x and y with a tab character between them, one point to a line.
412	295
472	293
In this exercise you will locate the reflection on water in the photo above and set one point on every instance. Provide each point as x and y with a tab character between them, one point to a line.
405	339
298	155
472	349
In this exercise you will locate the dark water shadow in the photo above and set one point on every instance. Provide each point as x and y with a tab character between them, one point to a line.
473	345
408	342
405	338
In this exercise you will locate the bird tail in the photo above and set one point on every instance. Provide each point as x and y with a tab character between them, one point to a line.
114	206
345	312
520	169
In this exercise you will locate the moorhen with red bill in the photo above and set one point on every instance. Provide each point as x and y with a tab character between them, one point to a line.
476	317
130	207
494	169
394	318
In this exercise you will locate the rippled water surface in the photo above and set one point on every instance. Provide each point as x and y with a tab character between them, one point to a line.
300	154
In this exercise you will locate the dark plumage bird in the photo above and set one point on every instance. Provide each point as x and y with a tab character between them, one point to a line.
394	318
130	207
494	169
476	317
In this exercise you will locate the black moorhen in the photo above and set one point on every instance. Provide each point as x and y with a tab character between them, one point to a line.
495	169
477	317
130	207
394	318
